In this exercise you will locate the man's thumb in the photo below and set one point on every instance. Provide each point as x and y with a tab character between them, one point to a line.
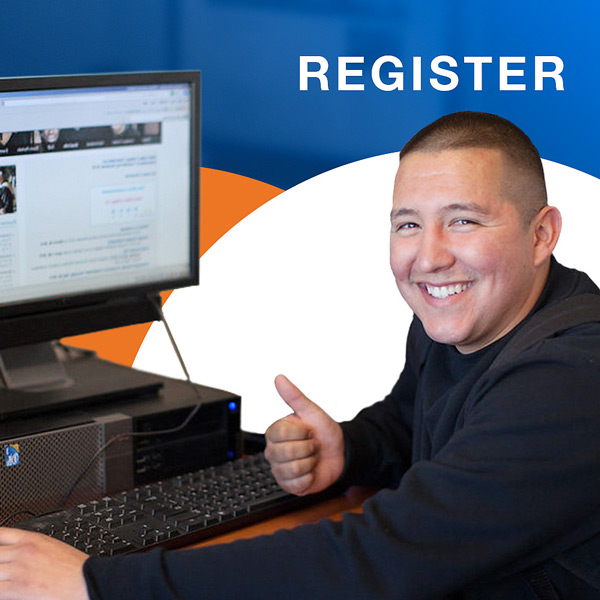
295	399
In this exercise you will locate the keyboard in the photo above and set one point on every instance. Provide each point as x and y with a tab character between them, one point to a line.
174	512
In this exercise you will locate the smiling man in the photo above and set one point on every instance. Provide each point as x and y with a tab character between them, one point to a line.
486	446
489	452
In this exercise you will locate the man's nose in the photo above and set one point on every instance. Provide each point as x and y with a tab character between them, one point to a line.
434	252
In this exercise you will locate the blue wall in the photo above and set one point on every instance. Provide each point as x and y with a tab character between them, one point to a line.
257	123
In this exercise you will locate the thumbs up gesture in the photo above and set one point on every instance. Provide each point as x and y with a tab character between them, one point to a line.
305	449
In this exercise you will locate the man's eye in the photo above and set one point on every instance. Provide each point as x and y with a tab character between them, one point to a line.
463	222
405	226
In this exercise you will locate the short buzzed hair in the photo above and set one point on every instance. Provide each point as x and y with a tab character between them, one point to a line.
468	129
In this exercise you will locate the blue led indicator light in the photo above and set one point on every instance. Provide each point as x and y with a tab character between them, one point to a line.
233	406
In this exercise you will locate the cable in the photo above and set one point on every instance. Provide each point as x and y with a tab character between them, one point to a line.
16	514
157	304
126	436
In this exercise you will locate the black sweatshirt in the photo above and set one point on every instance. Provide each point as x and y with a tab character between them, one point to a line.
487	473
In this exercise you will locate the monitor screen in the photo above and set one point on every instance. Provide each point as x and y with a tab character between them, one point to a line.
98	199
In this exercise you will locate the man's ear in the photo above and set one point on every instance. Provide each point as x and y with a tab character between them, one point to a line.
546	226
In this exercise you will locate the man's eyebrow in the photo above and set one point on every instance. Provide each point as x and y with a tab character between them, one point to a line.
472	207
402	212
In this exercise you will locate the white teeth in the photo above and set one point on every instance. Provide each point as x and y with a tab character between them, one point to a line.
446	290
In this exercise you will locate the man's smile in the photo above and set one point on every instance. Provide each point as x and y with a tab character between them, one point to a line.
443	291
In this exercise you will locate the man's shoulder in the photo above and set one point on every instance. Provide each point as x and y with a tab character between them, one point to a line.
575	315
564	282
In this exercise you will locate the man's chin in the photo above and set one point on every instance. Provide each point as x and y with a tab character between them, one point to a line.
445	334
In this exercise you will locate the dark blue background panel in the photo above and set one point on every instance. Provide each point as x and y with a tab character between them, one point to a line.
257	122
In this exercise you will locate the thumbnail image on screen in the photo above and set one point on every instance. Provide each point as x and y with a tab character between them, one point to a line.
8	189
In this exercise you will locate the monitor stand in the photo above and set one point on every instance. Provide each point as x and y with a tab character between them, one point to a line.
46	377
34	368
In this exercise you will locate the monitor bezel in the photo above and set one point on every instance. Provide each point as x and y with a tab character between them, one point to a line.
32	321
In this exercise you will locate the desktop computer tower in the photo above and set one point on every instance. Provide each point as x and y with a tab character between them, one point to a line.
58	457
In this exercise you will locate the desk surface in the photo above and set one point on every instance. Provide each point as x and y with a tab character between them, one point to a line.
333	509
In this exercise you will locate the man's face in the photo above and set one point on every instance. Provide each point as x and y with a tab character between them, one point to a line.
462	257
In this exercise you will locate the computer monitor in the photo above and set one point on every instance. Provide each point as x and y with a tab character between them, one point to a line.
99	204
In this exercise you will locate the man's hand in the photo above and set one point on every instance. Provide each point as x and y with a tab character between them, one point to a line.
36	567
305	449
